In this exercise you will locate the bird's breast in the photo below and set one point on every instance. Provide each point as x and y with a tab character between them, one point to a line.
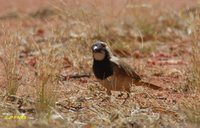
102	69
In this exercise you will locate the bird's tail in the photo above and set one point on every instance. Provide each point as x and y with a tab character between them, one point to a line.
149	85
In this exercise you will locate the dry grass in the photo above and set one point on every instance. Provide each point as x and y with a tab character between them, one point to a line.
193	31
191	107
196	54
10	60
191	110
46	82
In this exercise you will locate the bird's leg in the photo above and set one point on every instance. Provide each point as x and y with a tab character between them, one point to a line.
107	98
108	92
125	99
128	95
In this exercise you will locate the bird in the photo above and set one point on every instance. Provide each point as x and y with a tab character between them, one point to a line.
113	73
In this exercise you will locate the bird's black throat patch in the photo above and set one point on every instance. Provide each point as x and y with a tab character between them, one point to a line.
102	69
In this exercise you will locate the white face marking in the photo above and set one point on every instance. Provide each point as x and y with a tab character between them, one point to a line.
99	55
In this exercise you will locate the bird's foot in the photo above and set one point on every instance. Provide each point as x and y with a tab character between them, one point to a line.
120	95
106	98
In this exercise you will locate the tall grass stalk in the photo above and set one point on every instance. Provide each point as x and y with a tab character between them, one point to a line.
46	82
195	58
9	57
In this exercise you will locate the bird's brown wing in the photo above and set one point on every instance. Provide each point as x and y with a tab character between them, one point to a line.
124	69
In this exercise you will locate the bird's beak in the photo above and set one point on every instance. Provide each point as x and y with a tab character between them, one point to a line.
96	49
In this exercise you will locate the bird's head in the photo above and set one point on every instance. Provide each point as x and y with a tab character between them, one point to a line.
100	51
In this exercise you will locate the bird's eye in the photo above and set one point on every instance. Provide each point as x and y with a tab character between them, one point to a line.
104	45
